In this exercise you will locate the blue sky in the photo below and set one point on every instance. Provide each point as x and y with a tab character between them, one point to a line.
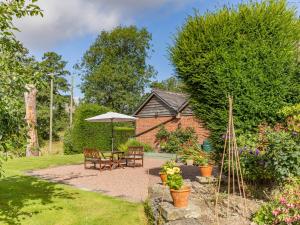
69	27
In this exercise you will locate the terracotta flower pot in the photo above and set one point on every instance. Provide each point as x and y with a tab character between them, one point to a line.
163	177
206	171
189	162
181	197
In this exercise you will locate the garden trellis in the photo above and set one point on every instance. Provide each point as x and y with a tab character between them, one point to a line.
234	172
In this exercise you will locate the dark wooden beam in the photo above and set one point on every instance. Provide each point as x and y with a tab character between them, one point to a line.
154	127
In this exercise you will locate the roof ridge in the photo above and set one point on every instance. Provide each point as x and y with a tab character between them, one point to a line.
169	92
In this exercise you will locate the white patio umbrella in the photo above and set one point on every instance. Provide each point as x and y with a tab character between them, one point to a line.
111	117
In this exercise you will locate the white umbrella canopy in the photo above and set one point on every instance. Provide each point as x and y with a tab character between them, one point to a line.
111	117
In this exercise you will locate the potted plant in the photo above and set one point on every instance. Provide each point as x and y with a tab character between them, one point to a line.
188	154
180	193
189	161
163	170
205	168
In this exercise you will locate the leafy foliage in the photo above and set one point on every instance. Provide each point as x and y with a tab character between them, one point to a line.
170	164
52	67
169	84
283	208
249	51
252	158
201	160
149	212
114	69
190	152
273	156
174	178
175	141
292	113
134	142
92	135
17	69
283	154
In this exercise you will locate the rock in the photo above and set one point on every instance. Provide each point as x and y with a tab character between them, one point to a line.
159	190
201	209
206	180
170	213
184	222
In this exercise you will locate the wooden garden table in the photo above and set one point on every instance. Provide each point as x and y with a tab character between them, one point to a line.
118	159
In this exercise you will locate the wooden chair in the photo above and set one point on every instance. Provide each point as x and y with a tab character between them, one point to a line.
134	154
106	161
91	156
96	157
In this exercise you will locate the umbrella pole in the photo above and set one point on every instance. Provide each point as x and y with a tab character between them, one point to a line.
112	135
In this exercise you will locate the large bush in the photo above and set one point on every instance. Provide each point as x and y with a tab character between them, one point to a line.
248	51
93	135
175	141
269	156
283	154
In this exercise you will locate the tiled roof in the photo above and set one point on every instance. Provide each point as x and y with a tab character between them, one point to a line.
173	99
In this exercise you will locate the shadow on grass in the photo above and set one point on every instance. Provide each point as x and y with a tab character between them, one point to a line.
21	197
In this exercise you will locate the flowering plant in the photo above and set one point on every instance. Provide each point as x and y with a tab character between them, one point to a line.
189	152
168	165
284	208
201	161
174	178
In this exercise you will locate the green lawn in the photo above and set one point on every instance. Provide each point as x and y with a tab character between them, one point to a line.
31	201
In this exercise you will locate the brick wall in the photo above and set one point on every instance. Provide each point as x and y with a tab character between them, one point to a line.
143	124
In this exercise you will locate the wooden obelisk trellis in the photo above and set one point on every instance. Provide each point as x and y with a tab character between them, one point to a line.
234	171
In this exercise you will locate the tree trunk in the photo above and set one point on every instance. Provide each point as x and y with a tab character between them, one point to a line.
32	148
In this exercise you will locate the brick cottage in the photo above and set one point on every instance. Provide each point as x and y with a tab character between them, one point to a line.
169	109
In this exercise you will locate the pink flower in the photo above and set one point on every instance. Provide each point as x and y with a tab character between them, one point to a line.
276	212
288	220
290	205
282	200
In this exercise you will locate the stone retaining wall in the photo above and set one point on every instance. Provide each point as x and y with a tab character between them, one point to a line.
201	208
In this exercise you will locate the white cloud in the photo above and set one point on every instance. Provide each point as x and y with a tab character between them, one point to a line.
66	19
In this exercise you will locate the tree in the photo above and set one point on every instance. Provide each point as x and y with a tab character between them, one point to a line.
169	84
30	117
52	66
17	69
249	51
114	69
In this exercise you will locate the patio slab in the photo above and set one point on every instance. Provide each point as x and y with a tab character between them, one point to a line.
129	183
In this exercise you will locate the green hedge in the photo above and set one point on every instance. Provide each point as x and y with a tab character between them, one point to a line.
122	134
249	51
134	142
93	135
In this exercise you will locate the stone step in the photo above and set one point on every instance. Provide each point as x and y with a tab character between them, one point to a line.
206	180
170	213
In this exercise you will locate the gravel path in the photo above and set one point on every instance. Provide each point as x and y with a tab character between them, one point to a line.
129	183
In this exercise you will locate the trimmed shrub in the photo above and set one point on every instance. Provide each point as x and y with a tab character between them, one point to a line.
134	142
122	134
68	143
250	52
93	135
